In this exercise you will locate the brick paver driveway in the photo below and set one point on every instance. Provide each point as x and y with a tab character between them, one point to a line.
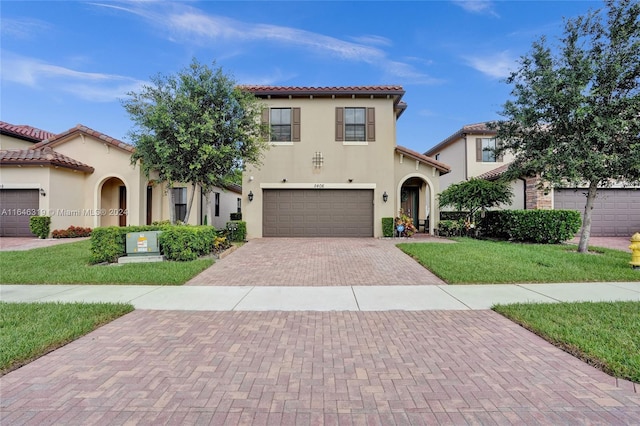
259	368
316	262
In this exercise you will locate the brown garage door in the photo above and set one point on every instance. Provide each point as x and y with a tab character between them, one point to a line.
16	207
317	213
616	212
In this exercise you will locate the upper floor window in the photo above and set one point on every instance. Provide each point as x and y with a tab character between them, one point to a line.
355	124
283	124
485	150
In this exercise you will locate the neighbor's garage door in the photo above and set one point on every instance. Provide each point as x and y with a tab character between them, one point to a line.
317	213
616	212
16	206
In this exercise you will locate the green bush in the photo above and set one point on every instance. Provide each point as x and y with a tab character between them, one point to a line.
71	232
536	226
109	243
177	242
184	243
387	227
237	230
450	228
40	225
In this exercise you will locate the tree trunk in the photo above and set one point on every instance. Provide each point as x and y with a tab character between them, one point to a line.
190	203
583	246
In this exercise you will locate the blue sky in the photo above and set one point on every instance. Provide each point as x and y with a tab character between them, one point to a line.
70	62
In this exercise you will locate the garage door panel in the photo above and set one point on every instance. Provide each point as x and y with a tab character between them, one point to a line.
318	213
616	210
15	205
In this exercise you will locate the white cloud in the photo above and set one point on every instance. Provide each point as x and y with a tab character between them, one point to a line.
22	28
481	7
191	25
98	87
497	65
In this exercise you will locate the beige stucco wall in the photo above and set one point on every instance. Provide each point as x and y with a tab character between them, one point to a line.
407	168
8	142
369	165
228	205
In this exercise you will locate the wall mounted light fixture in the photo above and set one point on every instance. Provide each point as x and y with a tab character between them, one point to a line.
350	180
284	180
44	194
385	196
250	196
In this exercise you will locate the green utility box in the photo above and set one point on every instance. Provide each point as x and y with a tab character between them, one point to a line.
143	243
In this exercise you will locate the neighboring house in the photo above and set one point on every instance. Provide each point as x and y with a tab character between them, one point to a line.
617	209
82	177
334	169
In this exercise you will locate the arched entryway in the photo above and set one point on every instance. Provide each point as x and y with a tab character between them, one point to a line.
416	200
113	203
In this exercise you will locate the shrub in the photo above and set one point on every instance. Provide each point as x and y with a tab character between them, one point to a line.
71	232
450	228
109	243
40	226
387	227
184	243
536	226
177	242
405	223
237	230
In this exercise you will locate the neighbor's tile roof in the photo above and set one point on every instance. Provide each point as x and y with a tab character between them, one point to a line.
61	137
495	173
41	156
24	132
476	128
444	168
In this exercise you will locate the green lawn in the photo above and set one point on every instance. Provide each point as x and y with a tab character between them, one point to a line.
69	264
471	261
30	330
603	334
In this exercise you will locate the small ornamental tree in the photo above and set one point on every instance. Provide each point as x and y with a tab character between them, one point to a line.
476	194
196	127
575	113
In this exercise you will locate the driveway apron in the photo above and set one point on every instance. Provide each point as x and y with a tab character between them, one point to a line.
316	262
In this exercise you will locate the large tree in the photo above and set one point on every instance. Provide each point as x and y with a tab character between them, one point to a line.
574	116
476	194
196	127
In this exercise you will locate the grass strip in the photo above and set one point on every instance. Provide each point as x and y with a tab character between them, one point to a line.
471	261
69	264
603	334
30	330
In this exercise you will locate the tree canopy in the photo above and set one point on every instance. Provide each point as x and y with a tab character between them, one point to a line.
195	127
476	194
574	116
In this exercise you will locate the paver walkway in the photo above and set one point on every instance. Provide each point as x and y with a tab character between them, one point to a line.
316	262
272	368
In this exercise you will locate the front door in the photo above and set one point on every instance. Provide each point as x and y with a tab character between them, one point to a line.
409	203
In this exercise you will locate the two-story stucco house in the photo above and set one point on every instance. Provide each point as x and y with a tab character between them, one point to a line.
82	177
334	168
617	209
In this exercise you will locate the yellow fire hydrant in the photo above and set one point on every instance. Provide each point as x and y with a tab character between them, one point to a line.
635	251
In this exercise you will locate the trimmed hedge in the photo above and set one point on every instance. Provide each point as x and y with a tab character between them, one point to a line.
239	234
177	242
535	226
109	243
40	226
451	215
71	232
387	227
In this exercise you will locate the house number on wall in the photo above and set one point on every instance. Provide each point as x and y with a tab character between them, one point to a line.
318	185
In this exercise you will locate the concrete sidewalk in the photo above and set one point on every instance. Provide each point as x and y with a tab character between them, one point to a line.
341	298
